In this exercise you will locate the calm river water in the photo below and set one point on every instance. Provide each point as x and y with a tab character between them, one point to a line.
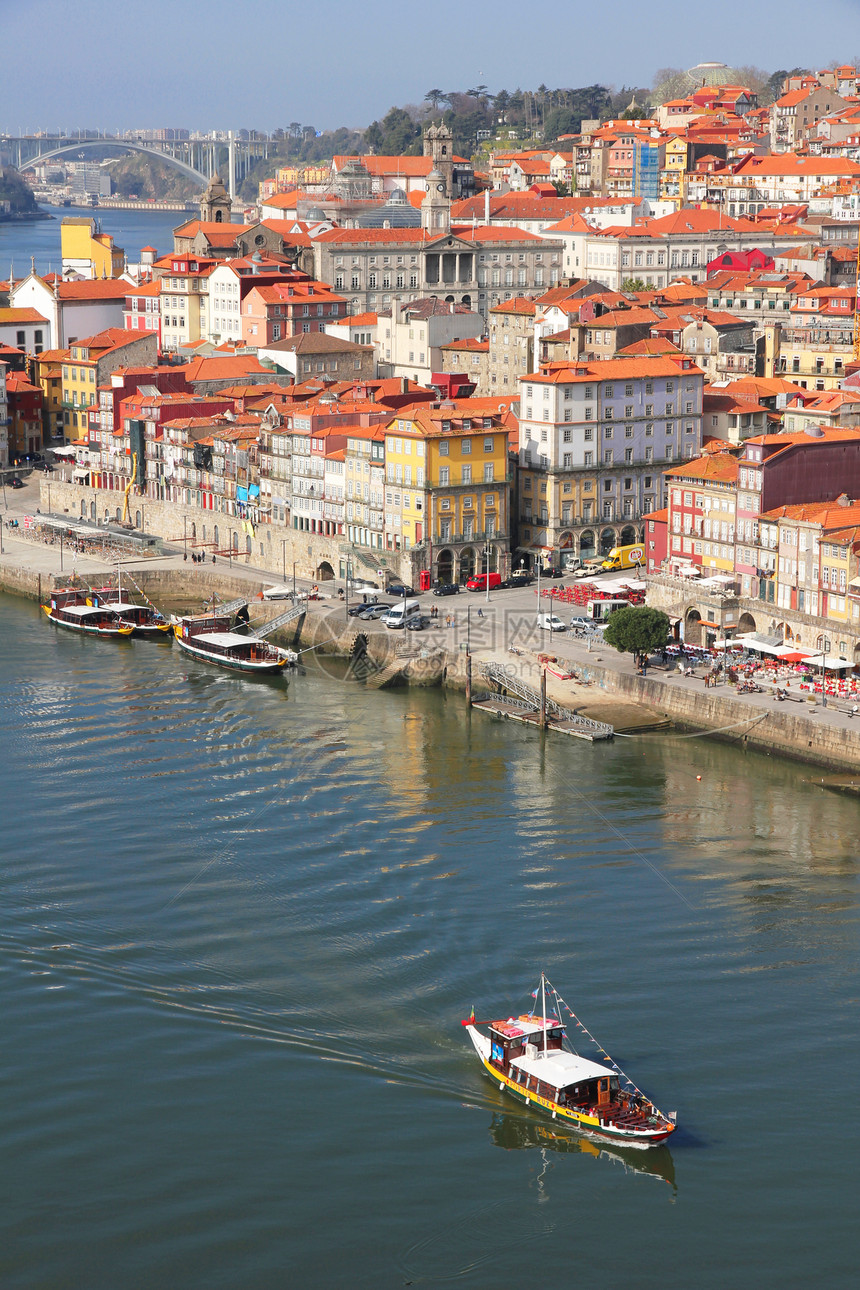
40	239
242	923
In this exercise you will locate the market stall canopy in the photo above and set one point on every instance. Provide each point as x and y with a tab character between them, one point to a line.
68	451
829	662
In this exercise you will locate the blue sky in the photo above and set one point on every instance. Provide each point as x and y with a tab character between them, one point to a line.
263	63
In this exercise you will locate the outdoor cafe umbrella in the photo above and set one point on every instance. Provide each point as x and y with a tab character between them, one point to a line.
795	657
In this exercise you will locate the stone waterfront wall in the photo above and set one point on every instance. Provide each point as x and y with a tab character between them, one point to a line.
789	728
274	547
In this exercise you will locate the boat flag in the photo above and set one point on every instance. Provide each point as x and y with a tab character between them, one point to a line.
472	1013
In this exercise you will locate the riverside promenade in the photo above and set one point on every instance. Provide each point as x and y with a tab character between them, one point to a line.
605	685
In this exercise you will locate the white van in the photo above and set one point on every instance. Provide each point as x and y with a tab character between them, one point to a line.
401	613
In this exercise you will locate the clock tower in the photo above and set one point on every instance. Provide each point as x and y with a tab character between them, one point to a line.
436	206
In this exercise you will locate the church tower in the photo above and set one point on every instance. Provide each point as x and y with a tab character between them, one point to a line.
436	206
215	204
439	144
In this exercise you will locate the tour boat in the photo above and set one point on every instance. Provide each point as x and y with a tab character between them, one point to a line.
210	637
145	619
530	1057
69	607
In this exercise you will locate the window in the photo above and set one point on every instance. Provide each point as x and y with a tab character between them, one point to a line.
488	445
588	459
488	472
444	476
467	473
607	457
466	447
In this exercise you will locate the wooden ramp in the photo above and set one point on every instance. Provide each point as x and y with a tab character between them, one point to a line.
518	701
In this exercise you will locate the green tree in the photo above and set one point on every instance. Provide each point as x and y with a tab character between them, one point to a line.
637	630
434	98
632	285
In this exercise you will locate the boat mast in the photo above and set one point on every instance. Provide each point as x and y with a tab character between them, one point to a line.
543	1002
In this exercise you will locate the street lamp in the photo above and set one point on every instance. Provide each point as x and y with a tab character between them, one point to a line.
468	629
295	562
283	559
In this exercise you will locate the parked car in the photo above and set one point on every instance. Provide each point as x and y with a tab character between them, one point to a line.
551	572
416	624
478	581
398	589
446	589
374	611
521	578
551	623
15	482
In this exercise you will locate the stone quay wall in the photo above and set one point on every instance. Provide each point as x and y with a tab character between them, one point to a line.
274	547
791	734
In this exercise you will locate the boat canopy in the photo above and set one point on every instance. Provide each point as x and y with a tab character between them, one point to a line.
84	611
223	640
561	1068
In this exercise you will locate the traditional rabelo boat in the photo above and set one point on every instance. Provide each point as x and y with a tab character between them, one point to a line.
530	1057
145	619
210	637
70	607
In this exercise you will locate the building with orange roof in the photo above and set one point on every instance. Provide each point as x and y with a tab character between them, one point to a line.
702	499
594	439
447	495
23	413
272	313
793	116
71	309
469	358
322	354
24	328
378	269
90	363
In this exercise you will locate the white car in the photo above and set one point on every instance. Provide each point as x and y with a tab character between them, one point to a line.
551	623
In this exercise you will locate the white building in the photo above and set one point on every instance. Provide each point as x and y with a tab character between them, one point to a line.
414	348
594	440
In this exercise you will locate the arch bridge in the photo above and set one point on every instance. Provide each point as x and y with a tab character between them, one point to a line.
199	159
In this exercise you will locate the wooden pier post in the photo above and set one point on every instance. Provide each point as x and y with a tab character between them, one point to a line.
542	716
469	680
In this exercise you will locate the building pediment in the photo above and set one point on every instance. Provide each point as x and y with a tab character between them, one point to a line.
449	242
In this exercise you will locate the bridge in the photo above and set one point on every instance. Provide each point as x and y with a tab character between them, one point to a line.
197	158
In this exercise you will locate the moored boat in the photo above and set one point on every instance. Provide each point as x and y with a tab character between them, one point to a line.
210	638
70	608
144	618
532	1059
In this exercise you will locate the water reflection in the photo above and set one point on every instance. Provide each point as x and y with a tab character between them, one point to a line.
515	1133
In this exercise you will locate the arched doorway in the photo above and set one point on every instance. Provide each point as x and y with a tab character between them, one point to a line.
83	510
193	531
693	627
216	535
607	541
586	544
235	543
746	624
628	536
467	301
445	566
92	510
467	563
248	545
325	572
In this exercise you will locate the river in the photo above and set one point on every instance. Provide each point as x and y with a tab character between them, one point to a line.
40	239
242	922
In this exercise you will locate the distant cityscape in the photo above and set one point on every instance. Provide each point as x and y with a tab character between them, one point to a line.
526	353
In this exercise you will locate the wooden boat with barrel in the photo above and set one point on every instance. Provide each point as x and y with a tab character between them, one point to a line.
70	607
144	618
531	1058
210	637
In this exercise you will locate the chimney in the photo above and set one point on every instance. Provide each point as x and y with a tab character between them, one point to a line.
404	385
486	205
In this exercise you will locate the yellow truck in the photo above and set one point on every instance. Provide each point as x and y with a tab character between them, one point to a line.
625	557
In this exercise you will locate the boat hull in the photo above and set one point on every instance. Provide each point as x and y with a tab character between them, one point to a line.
85	628
252	667
581	1121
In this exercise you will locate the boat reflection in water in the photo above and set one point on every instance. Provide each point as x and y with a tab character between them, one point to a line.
515	1134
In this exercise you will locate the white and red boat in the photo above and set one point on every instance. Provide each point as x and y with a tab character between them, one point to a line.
530	1057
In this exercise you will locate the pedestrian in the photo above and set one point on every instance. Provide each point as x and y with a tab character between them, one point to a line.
480	612
853	712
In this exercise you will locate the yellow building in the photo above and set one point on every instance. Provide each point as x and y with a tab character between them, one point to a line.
673	174
47	373
447	488
87	252
89	364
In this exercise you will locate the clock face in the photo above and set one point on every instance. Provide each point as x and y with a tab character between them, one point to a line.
440	188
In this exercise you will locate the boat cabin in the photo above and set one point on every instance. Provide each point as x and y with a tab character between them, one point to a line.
517	1049
202	624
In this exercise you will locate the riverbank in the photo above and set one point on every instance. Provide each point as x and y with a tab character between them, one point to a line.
599	686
